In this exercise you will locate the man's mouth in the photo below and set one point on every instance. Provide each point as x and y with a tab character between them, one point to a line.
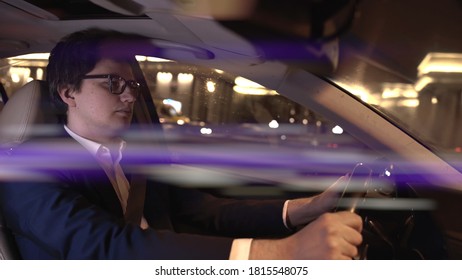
126	111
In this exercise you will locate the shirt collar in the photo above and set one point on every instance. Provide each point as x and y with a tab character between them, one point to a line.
92	146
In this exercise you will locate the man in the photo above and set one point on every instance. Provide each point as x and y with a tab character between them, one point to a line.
79	210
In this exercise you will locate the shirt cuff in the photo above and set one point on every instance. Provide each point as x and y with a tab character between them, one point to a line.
240	250
284	215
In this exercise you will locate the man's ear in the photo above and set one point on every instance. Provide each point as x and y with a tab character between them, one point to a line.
66	92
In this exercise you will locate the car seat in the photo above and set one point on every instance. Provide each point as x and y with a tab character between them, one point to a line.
27	108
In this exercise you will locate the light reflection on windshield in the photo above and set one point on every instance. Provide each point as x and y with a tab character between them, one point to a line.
428	107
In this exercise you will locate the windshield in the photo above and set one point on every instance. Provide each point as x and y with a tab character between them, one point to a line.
408	70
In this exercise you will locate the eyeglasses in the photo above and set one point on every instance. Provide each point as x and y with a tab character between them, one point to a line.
116	83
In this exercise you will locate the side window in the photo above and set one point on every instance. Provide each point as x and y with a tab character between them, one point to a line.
225	130
243	133
17	71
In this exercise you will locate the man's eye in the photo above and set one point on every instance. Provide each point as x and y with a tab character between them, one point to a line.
116	82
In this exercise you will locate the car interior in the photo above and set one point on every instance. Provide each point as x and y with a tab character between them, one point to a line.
29	107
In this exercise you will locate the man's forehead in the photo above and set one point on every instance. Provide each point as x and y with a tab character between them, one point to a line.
113	66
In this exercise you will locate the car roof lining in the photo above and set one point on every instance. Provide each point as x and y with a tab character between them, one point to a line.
73	9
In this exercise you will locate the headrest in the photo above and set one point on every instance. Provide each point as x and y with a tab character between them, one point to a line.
28	107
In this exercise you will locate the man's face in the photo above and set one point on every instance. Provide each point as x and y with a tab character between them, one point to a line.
98	114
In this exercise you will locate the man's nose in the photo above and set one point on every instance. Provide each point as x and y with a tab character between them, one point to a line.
129	95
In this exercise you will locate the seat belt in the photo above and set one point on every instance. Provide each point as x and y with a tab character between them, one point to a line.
136	197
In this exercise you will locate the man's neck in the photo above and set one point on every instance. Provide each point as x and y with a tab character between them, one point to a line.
102	136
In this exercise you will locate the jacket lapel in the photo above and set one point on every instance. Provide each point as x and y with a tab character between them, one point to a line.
91	179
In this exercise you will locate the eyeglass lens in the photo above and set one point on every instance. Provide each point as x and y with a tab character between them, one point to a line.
118	85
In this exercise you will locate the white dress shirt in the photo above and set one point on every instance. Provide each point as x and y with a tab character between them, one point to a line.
110	163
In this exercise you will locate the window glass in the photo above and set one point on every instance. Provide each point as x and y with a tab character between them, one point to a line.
234	126
17	71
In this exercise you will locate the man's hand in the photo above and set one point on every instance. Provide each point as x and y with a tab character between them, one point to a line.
301	211
331	236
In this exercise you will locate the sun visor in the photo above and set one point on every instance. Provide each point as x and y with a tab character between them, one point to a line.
301	32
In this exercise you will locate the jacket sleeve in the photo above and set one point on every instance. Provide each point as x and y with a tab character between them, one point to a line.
238	218
63	224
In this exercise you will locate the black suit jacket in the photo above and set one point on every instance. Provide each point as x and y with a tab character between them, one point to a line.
63	206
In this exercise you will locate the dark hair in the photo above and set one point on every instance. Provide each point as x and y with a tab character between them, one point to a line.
78	53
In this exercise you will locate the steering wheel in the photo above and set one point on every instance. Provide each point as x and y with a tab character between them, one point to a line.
354	195
397	234
356	189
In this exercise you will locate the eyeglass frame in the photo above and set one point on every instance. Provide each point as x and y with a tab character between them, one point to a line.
132	84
